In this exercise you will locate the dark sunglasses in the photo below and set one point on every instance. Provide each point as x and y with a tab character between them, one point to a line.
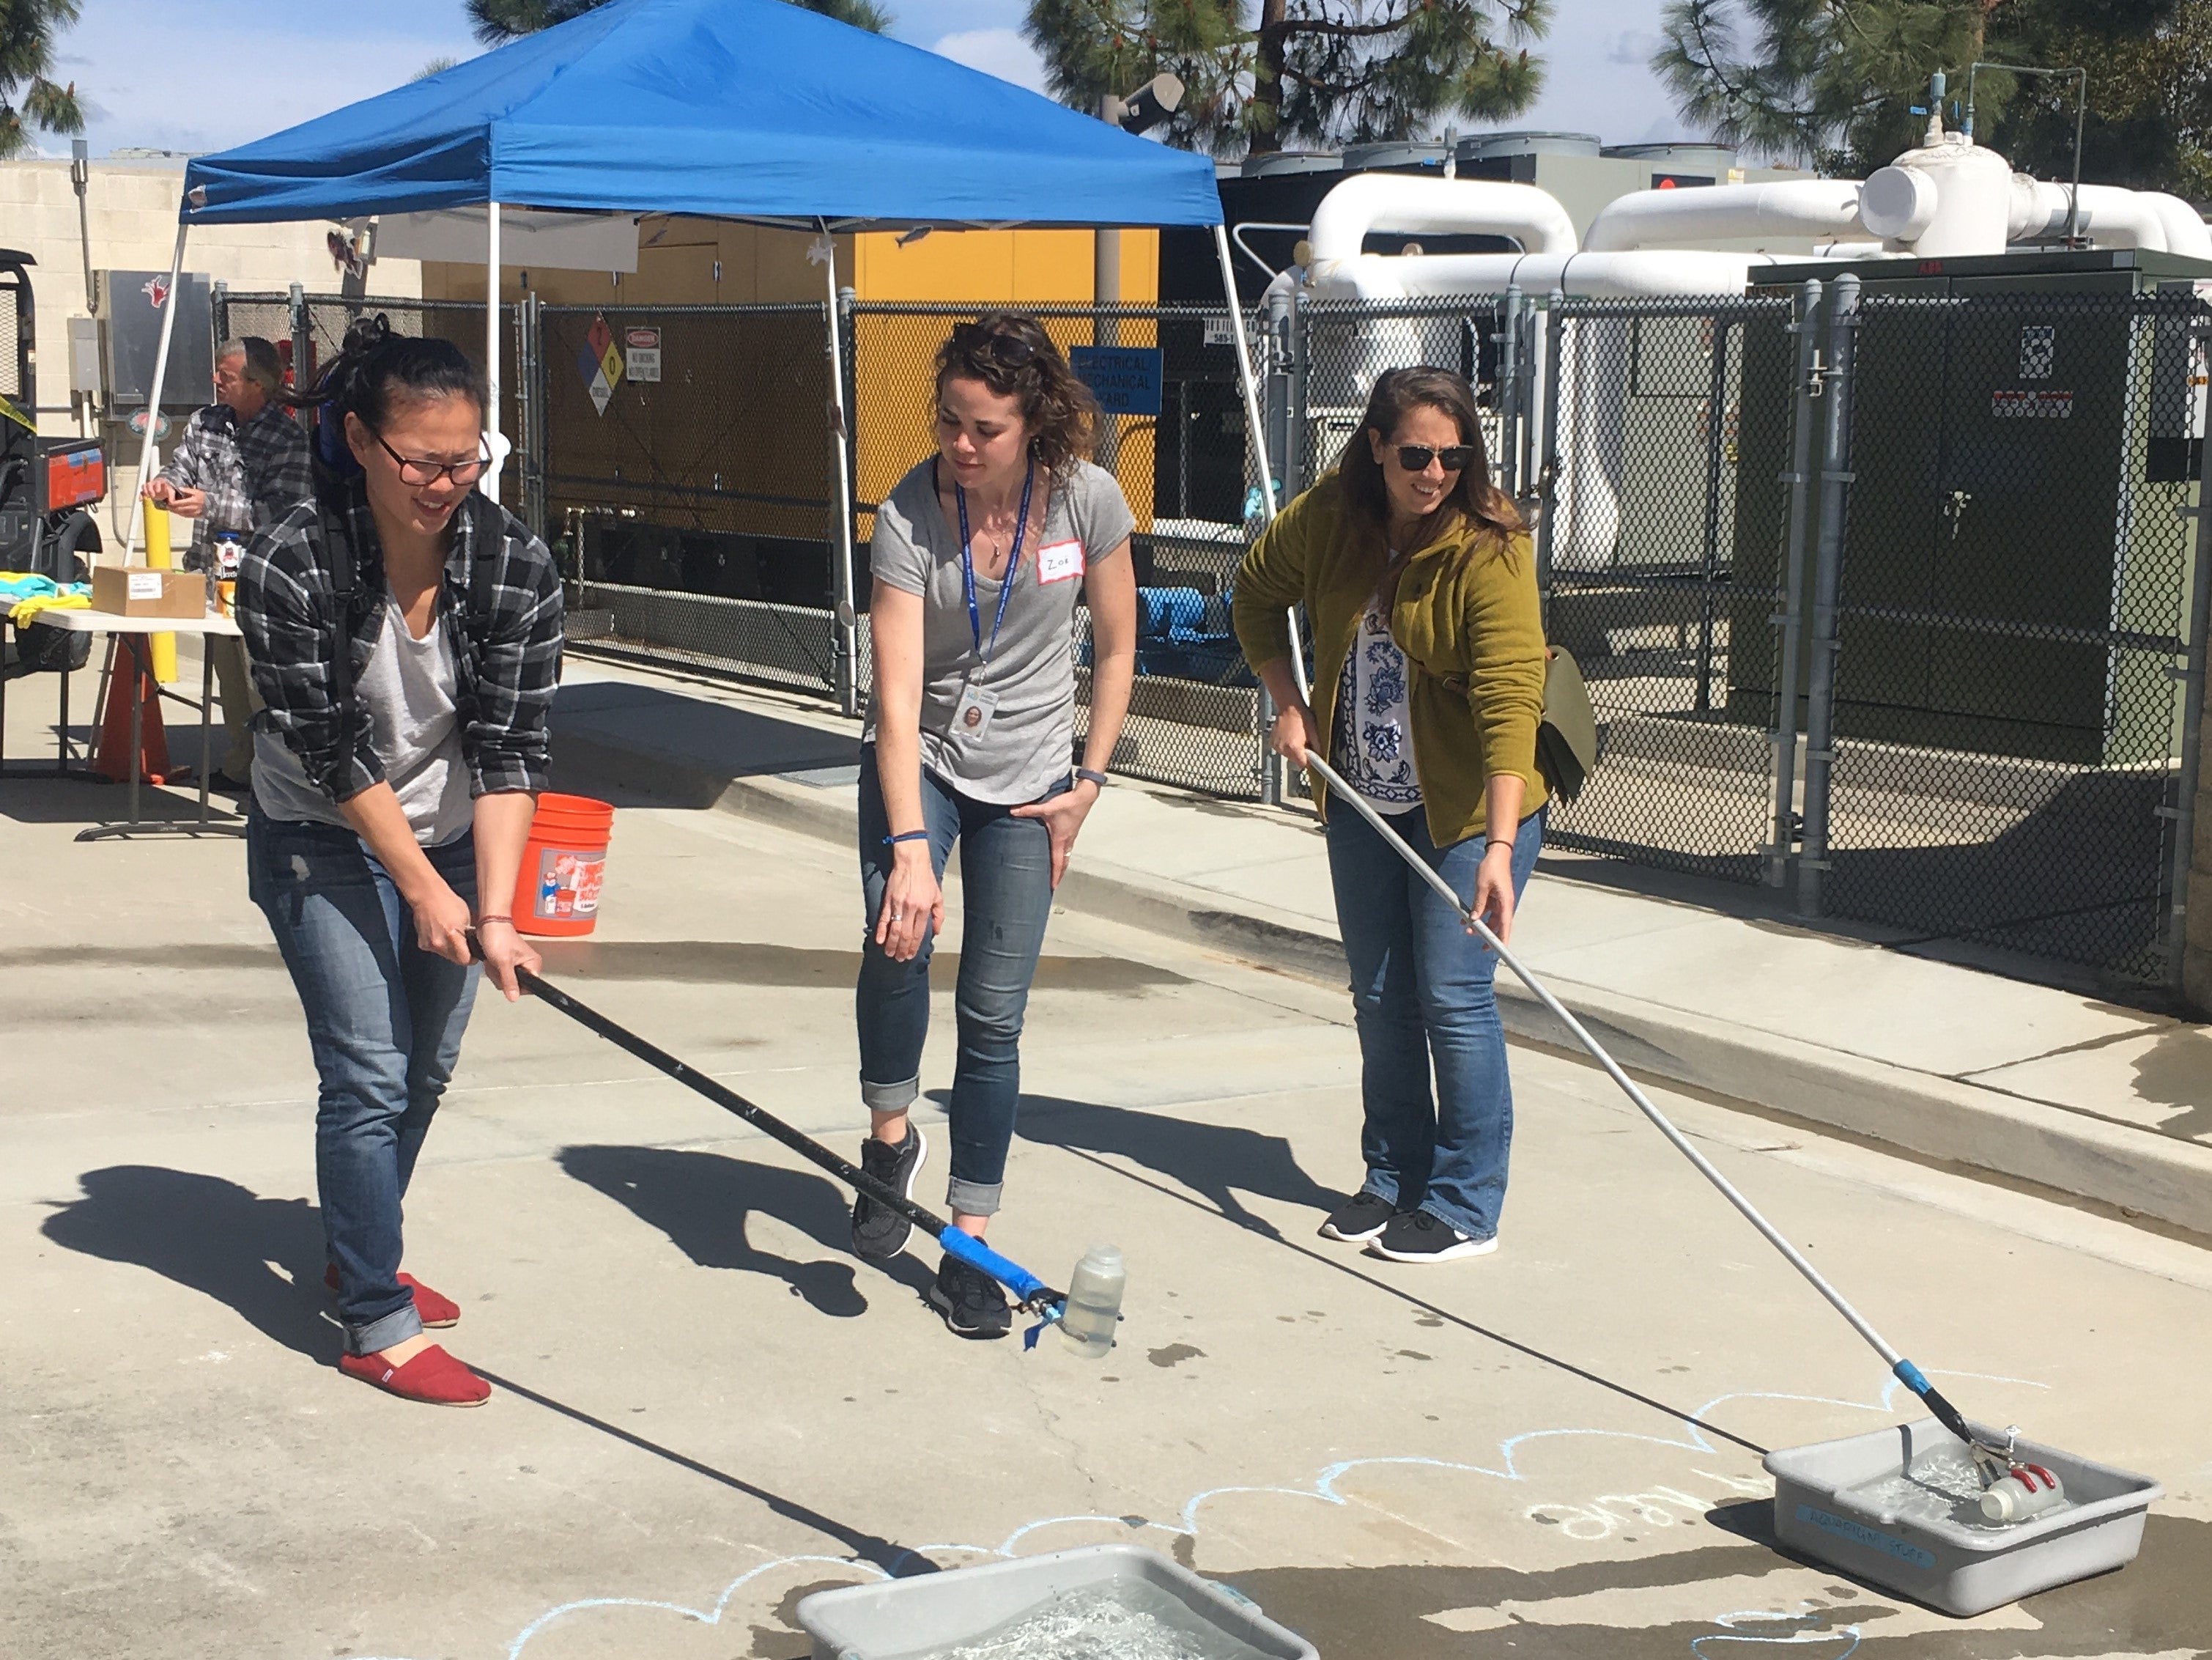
1415	457
1010	350
418	471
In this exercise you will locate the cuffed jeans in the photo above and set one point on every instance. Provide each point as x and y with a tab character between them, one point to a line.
1422	991
1006	878
385	1020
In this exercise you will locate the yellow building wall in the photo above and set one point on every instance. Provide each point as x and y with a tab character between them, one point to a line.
736	411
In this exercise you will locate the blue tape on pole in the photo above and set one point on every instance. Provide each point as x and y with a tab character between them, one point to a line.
1912	1378
977	1255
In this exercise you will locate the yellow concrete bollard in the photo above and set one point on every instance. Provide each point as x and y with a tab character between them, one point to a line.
163	655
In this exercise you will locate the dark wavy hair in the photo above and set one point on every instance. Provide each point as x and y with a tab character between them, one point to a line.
1475	498
375	368
1012	354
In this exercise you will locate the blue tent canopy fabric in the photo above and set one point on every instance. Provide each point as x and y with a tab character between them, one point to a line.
739	109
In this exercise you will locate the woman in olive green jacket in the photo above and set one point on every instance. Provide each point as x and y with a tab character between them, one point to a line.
1428	686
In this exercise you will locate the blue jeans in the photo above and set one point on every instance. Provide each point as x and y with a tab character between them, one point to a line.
1005	875
1422	992
385	1020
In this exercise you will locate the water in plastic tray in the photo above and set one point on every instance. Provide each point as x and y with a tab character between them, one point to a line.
1121	1620
1940	1486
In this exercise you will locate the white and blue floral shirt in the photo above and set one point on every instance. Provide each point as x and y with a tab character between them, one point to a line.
1374	733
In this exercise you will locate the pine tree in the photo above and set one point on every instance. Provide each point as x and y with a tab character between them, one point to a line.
1302	71
27	28
498	21
1833	83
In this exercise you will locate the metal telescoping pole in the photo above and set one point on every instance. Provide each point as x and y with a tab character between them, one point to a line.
847	668
1279	418
1803	408
1827	582
491	345
1245	376
2193	692
146	451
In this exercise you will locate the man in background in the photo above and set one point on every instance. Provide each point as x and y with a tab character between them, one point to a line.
242	462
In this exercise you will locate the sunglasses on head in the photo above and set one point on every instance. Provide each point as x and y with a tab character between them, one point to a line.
1011	351
1415	457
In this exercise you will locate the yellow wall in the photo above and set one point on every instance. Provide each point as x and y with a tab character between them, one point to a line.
737	410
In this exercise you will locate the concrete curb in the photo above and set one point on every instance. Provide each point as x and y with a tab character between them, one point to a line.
2136	1172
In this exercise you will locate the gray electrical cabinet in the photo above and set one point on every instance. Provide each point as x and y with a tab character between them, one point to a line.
2027	438
130	335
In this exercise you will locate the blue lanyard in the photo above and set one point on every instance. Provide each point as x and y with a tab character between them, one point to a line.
968	565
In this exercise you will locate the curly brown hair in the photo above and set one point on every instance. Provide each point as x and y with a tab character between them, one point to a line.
1011	354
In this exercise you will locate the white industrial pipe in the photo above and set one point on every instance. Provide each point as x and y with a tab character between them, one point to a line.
1792	208
2118	218
2186	232
1413	206
1655	271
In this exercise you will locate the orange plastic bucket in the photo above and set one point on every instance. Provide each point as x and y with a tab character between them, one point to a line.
557	889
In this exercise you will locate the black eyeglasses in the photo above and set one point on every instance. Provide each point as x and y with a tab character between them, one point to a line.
1415	457
420	471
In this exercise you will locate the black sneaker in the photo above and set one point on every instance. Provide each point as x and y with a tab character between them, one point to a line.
1418	1236
1363	1218
880	1233
970	1300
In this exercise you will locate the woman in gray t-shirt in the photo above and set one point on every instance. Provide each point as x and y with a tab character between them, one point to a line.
979	555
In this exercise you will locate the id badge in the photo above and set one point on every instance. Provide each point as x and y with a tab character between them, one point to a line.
971	719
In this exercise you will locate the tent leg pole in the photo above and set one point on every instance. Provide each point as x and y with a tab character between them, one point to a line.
491	344
846	620
1244	378
146	452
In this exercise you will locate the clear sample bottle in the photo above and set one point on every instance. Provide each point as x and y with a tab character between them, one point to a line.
1094	1301
2029	1490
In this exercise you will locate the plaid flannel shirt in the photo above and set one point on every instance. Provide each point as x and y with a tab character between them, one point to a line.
252	471
502	601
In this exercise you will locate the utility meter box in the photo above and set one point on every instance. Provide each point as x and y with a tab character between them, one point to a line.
131	337
84	374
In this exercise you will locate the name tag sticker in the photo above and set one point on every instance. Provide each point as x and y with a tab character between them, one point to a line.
1060	562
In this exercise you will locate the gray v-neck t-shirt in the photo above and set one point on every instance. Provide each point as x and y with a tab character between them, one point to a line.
1029	745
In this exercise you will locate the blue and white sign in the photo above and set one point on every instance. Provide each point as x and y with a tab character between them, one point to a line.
1125	379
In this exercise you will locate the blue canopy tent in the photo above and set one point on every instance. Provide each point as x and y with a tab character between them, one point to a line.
737	109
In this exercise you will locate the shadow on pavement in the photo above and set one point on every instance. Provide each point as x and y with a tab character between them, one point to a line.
702	1201
1216	1160
893	1559
214	1237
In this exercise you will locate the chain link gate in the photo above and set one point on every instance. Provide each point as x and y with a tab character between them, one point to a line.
1194	713
2019	558
1661	554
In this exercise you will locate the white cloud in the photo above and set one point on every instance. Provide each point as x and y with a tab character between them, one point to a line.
1002	53
161	77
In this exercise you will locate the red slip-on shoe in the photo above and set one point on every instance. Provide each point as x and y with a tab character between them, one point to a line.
434	1378
434	1309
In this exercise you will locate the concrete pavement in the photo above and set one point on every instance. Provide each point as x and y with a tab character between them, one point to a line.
1944	1060
705	1407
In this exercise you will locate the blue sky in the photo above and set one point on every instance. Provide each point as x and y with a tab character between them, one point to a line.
206	74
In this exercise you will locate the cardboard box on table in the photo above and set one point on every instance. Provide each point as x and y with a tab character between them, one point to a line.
133	591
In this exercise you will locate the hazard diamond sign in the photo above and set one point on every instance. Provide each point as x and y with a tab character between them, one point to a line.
600	363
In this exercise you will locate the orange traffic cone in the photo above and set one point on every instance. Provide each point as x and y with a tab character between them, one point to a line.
111	759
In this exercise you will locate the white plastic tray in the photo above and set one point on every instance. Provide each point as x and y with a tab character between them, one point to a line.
1959	1569
900	1617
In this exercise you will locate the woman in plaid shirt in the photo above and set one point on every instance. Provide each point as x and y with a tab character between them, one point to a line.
404	634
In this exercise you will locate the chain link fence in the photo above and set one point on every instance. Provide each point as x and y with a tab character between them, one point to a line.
2010	656
1660	556
1949	540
